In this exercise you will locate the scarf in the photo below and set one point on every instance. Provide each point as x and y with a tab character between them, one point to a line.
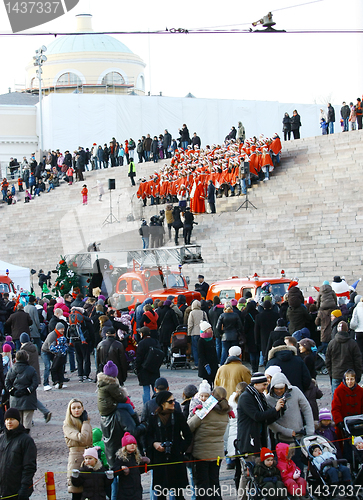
260	398
164	415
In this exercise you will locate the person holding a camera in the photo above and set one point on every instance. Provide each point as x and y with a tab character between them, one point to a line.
168	438
297	416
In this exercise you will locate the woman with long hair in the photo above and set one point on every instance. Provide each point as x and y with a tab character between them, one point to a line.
77	432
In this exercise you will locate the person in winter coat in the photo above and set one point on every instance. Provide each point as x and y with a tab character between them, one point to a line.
184	137
268	476
286	126
146	377
232	372
295	124
279	333
356	324
231	431
331	118
327	298
150	320
167	323
264	324
290	473
326	428
342	354
194	319
18	458
208	442
291	365
109	391
207	354
127	468
188	393
229	326
168	437
326	303
177	223
112	349
21	382
19	322
35	326
297	414
77	432
92	477
298	318
214	314
248	316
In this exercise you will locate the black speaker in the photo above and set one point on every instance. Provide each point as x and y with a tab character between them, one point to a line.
111	184
246	167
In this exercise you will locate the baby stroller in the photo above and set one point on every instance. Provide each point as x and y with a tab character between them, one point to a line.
177	352
320	363
353	427
318	484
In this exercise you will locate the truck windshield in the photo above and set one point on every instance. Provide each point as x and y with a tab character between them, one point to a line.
4	288
277	289
174	281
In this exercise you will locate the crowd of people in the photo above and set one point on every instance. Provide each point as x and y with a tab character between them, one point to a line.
348	114
252	417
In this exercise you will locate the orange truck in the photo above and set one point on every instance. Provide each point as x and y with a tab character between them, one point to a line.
6	284
235	287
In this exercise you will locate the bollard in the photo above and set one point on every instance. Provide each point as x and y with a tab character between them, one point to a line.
49	481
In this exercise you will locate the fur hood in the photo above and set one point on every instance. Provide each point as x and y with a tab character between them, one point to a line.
103	379
279	348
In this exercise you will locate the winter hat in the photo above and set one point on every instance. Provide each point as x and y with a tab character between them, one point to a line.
301	334
161	384
162	396
235	350
102	297
110	369
167	303
342	327
258	378
204	325
272	370
206	331
59	326
204	387
277	298
265	453
234	302
358	439
12	413
310	300
9	338
6	348
91	452
280	322
325	414
325	282
242	300
190	391
266	304
313	447
100	302
307	343
24	338
128	439
337	313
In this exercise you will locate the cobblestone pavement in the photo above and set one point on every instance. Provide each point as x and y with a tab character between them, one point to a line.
52	450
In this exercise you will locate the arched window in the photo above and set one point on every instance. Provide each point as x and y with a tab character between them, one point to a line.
140	83
112	79
69	79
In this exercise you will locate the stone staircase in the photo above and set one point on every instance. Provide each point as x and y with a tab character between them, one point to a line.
309	219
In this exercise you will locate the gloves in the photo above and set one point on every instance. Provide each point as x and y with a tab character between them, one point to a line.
198	407
231	414
208	369
125	470
109	474
75	473
340	425
84	416
145	460
296	474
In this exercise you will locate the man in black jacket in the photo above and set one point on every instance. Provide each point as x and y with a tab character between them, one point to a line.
291	365
264	324
112	349
146	377
166	144
253	417
18	458
188	225
211	196
331	118
19	322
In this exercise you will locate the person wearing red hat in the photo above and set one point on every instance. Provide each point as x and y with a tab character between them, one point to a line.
127	468
268	476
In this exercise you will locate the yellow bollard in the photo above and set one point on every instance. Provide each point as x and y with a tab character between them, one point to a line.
49	481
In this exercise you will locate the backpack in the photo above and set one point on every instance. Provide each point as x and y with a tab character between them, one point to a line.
153	360
75	321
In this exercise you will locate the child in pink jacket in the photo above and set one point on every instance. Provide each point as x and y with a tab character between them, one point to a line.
290	474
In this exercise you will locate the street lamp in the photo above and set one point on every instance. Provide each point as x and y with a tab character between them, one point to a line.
39	60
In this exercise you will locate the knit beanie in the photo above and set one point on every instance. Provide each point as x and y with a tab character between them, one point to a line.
190	391
24	338
110	369
7	348
235	350
234	302
325	282
128	439
12	413
272	370
59	326
337	313
91	452
265	453
325	414
204	327
258	378
9	338
204	387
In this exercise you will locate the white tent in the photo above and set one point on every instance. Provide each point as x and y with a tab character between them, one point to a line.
19	275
